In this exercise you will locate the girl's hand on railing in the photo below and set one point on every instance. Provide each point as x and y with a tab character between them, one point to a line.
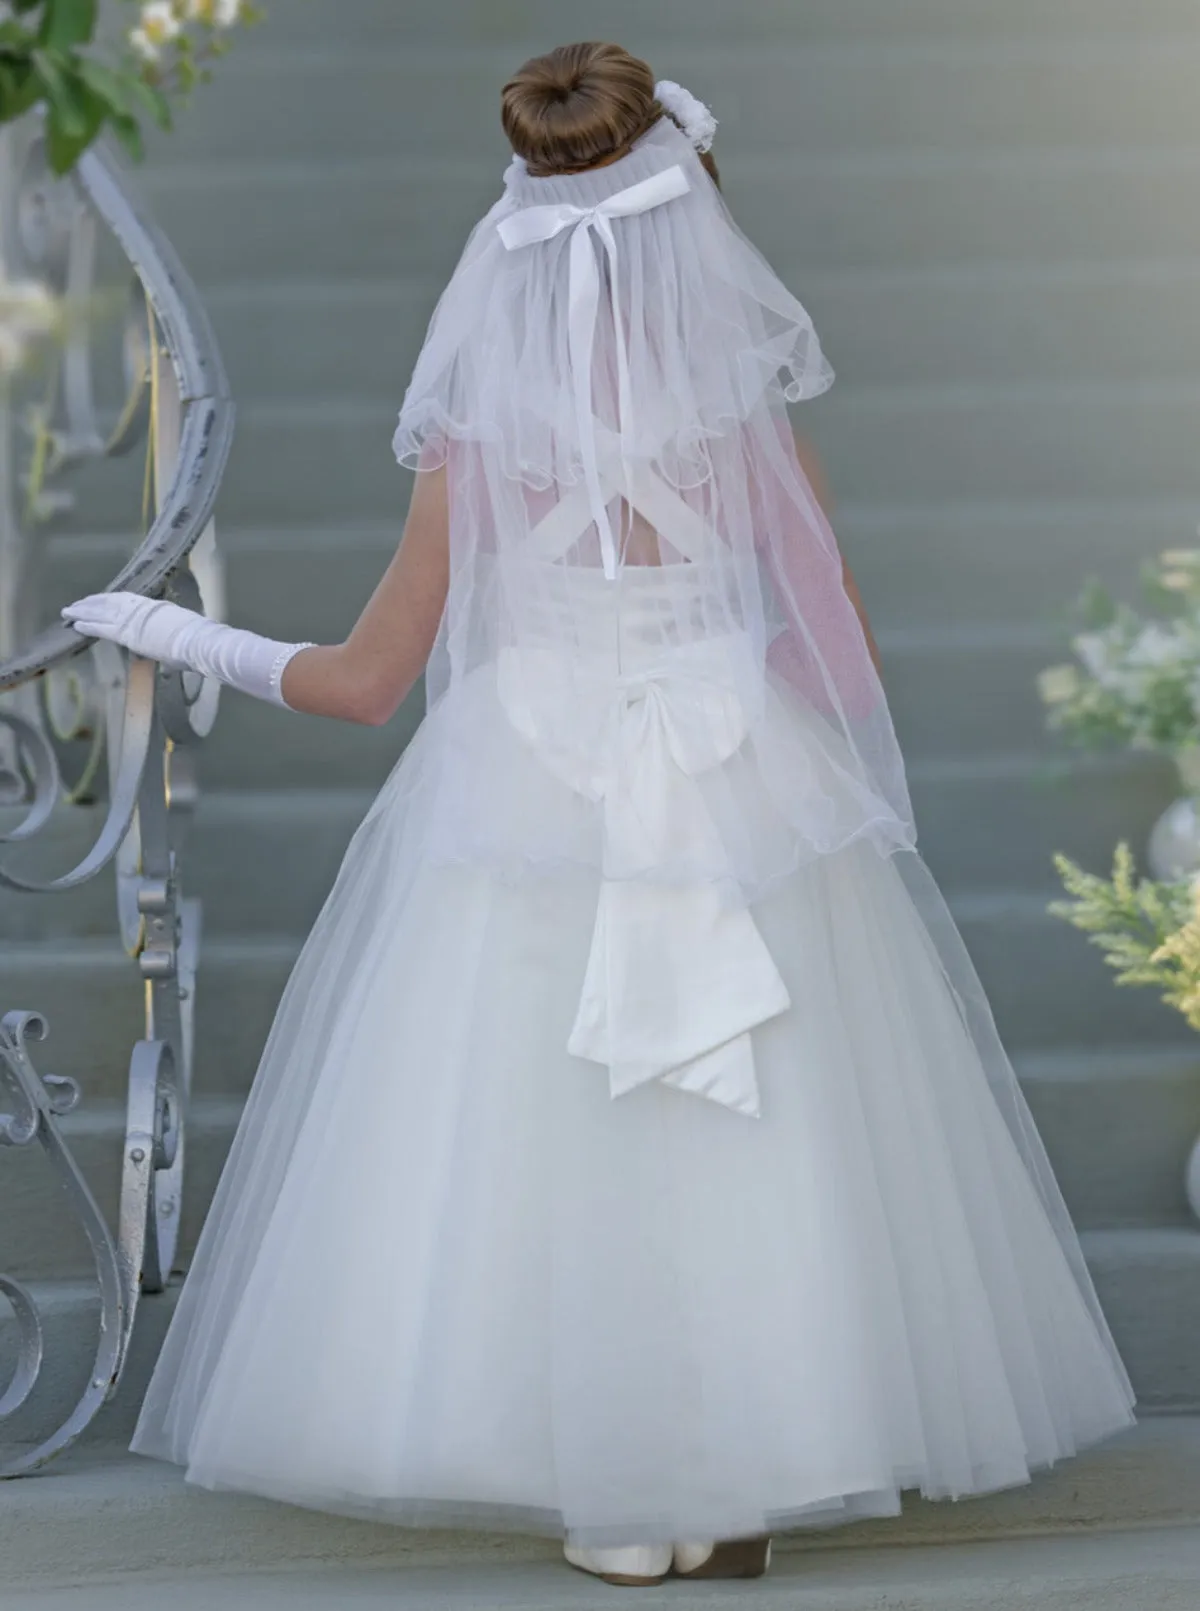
181	638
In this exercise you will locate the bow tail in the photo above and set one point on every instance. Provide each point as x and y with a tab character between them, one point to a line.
676	977
675	981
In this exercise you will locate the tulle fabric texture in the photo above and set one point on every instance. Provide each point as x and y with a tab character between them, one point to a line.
446	1276
695	349
448	1280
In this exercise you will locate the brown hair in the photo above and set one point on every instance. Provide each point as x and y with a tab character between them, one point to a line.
580	106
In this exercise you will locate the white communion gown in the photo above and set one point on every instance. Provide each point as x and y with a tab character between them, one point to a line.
498	1285
633	1154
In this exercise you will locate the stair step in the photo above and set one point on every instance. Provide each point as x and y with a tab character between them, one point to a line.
1059	1574
91	996
918	564
354	219
1073	323
957	691
1119	1128
264	859
70	1313
1148	1279
1119	1122
973	560
840	95
670	23
97	1515
1049	990
999	820
321	460
1149	1287
40	1238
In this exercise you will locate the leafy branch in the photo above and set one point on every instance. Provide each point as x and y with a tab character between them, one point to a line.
1148	931
49	56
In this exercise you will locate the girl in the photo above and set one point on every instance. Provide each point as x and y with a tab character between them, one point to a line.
633	1156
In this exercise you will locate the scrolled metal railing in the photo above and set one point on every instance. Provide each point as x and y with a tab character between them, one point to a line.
145	721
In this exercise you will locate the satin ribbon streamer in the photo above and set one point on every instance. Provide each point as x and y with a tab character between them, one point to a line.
534	224
678	975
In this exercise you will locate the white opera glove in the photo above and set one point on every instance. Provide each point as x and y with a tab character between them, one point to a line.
187	641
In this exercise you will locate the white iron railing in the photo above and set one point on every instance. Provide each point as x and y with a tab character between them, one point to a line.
137	723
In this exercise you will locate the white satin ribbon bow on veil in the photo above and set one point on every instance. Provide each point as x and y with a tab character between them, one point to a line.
533	224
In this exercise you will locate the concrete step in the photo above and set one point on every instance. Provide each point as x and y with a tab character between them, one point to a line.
264	858
305	220
672	23
318	460
1071	324
996	562
97	1515
1148	1279
1149	1287
1048	988
70	1314
996	821
1105	1574
40	1239
1118	1126
841	95
91	994
921	443
956	693
959	687
919	565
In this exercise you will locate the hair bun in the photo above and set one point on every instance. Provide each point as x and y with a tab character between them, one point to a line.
577	105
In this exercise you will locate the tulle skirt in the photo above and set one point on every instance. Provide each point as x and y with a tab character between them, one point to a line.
448	1278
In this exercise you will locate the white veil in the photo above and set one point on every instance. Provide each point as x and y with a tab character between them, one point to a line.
605	381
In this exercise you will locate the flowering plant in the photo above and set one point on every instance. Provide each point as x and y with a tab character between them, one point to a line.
29	312
1136	679
1149	932
49	56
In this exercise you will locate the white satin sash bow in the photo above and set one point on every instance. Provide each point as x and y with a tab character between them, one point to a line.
677	976
533	224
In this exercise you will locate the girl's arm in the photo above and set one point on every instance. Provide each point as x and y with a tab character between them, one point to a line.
365	678
361	680
811	465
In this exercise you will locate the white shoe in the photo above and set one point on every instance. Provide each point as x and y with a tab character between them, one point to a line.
689	1556
729	1557
630	1565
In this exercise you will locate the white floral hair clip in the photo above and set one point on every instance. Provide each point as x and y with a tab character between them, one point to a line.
691	114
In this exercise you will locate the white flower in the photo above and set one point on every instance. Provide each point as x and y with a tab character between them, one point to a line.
217	13
1058	684
1177	581
1155	646
27	307
143	46
1095	649
12	351
159	23
691	114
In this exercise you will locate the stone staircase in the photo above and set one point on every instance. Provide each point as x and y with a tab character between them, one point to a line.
993	213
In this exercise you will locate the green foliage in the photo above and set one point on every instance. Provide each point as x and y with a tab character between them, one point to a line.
49	56
1149	932
1136	679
